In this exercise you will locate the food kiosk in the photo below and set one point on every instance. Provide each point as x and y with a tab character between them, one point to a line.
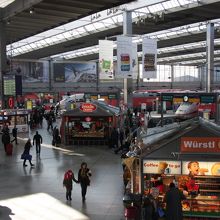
90	123
12	117
190	159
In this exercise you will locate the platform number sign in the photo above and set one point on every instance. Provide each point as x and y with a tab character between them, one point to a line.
11	102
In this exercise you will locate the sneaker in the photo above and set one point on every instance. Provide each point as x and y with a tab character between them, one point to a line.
24	165
32	165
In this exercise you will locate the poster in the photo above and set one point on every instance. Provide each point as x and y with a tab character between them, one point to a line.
106	59
194	168
31	71
161	167
124	57
149	58
75	72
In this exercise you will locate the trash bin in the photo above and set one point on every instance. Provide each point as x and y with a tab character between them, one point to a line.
132	203
130	213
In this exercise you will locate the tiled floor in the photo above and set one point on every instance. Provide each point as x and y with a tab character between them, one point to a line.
104	197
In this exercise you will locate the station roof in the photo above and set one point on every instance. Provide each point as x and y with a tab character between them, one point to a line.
178	25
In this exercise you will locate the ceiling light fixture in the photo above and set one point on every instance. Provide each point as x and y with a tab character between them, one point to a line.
31	11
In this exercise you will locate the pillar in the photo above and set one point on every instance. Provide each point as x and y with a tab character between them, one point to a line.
210	56
128	83
3	58
172	76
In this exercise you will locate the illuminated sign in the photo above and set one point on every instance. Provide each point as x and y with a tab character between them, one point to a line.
161	167
200	144
88	107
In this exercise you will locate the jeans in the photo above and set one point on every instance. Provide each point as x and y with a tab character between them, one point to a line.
38	148
84	190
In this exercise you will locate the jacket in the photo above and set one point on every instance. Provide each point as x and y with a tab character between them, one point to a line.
84	179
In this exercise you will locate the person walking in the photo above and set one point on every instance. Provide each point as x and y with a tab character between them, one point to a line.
68	183
26	154
83	178
14	134
38	141
6	139
173	198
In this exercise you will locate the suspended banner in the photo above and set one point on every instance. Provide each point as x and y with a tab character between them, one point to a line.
149	58
134	61
124	57
106	59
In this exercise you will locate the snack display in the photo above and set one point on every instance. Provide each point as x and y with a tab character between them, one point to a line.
215	170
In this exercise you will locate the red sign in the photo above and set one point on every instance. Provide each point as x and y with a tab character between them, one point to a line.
11	102
200	144
88	107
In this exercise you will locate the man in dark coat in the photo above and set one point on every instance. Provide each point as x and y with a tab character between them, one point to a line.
38	141
14	134
6	139
173	200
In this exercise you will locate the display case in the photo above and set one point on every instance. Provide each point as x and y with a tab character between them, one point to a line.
202	206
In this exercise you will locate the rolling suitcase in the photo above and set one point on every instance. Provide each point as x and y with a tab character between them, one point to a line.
9	149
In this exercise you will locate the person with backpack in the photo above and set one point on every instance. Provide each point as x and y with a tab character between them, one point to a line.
38	141
83	178
67	182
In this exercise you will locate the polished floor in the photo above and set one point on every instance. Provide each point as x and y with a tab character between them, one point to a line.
38	193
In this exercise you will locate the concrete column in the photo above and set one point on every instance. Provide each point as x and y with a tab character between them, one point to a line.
210	56
128	83
3	58
172	76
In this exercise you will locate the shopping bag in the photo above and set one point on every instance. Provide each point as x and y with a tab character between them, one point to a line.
160	212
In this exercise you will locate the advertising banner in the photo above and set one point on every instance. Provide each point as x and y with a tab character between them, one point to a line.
194	168
31	71
106	59
134	61
161	167
149	58
200	144
124	57
75	72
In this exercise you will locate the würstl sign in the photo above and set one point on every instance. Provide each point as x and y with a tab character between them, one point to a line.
88	107
200	144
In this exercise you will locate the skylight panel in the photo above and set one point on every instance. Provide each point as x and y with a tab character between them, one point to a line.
4	3
89	27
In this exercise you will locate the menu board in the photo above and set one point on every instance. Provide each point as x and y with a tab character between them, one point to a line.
194	168
9	85
161	167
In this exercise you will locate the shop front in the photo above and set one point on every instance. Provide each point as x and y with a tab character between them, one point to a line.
87	124
191	161
12	117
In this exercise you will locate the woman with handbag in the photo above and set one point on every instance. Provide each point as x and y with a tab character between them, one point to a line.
83	178
26	154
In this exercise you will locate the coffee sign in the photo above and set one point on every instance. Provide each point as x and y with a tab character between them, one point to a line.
88	107
200	144
161	167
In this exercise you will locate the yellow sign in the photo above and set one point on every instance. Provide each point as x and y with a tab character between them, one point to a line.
29	105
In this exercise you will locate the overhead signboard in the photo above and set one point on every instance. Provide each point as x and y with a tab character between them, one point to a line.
161	167
200	144
207	99
9	85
